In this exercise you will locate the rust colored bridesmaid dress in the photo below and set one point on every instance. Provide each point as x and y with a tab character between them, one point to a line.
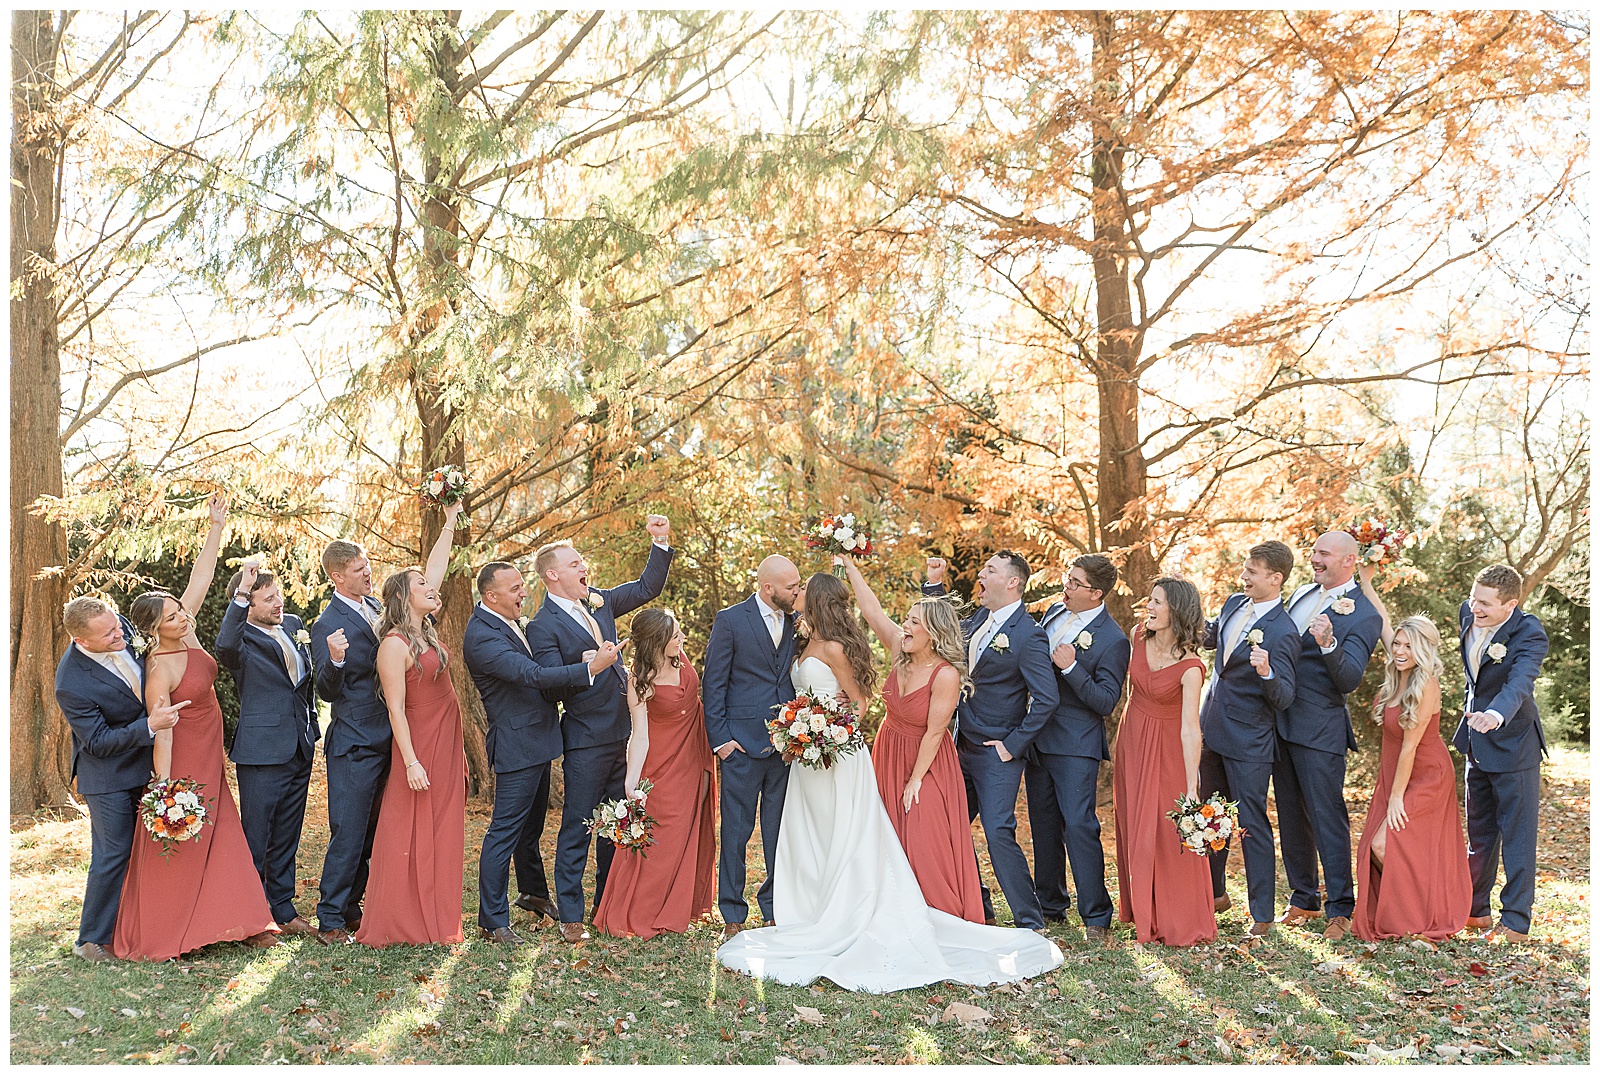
1424	888
937	833
419	849
1163	889
207	890
672	883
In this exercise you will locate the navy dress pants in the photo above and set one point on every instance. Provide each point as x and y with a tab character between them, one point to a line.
748	786
1061	813
1503	824
1244	782
355	792
272	809
113	825
591	775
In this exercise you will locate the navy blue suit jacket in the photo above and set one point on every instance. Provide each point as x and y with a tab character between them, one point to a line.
1318	715
594	716
1505	686
110	732
524	729
360	716
1090	692
1240	717
745	677
275	715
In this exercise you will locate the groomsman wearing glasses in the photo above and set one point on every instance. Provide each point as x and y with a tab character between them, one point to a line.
357	749
1091	657
276	738
1254	679
1502	649
595	724
1339	629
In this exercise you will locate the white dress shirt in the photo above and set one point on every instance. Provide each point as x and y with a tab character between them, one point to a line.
1475	635
1069	626
119	664
363	610
1255	610
773	619
1309	603
516	628
991	627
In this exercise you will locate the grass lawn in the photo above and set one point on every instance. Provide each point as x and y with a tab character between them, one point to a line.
1293	999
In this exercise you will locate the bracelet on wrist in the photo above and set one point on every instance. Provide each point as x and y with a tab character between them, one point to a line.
409	764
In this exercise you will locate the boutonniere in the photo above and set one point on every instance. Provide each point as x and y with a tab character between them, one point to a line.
595	600
1343	606
136	643
522	622
1000	643
1496	652
1084	640
1255	637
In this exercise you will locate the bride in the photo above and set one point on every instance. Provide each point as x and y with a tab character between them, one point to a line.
847	904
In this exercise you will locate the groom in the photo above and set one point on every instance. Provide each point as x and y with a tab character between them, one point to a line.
1014	694
747	673
572	621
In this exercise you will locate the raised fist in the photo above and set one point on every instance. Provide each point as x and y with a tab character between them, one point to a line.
1261	661
938	567
658	527
1322	630
337	644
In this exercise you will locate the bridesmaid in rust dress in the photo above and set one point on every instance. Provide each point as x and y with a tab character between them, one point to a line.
671	883
207	889
914	756
419	850
1163	889
1411	865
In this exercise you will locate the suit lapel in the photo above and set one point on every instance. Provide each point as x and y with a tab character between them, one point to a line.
568	622
1021	610
1225	626
100	671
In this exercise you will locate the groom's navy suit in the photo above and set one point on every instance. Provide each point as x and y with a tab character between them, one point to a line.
1239	737
1314	733
1503	765
595	725
524	738
111	740
745	677
357	751
273	748
1063	770
1014	694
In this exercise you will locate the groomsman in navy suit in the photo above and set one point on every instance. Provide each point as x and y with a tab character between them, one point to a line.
1014	694
357	749
100	689
1502	648
1339	629
1091	657
524	732
595	720
748	662
1253	682
276	739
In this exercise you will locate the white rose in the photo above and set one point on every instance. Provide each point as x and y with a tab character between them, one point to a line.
1375	554
849	518
174	813
621	810
636	830
846	536
812	753
436	487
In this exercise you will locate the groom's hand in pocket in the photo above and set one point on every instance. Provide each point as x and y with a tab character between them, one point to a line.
999	748
725	751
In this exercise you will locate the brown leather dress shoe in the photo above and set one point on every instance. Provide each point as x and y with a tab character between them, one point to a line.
1259	929
731	928
503	935
1486	922
1294	916
265	939
535	905
573	932
1503	934
351	925
333	936
1098	935
1220	904
297	927
94	953
1338	928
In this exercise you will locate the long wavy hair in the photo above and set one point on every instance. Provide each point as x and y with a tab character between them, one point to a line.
397	619
1185	613
652	631
943	622
1424	638
833	618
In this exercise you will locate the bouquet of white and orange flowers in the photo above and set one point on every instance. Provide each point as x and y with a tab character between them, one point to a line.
443	486
173	811
816	730
1204	825
1379	544
840	535
624	821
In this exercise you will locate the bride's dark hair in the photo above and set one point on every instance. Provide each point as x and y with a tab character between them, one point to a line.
834	619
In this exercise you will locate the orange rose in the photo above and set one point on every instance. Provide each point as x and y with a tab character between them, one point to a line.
1218	845
1207	811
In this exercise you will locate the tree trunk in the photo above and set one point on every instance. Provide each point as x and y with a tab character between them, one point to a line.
40	740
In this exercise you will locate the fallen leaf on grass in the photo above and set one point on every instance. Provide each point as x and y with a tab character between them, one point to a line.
970	1016
129	1012
784	1060
76	1013
809	1015
1424	944
1477	970
1224	1048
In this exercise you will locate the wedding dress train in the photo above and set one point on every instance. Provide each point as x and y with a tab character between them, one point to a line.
847	904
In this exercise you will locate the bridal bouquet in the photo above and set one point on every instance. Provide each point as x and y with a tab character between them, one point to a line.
1379	544
840	535
816	730
444	486
624	821
1205	825
173	811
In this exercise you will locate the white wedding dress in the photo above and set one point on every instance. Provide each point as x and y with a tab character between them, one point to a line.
848	906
